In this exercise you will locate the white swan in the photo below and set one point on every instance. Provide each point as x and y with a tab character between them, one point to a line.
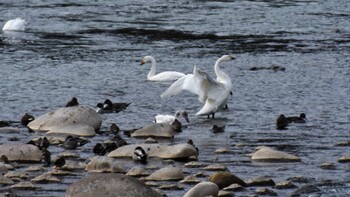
16	24
165	118
213	93
163	76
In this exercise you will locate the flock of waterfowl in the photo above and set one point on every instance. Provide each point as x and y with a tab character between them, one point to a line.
213	93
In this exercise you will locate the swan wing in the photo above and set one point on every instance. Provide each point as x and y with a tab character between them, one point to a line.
216	93
184	83
166	76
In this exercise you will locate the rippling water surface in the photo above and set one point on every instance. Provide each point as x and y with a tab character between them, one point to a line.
92	50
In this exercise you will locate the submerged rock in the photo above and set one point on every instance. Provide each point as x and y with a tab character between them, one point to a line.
77	115
45	178
306	189
166	174
161	130
137	171
345	159
224	179
21	152
9	130
179	151
110	185
267	154
104	164
24	185
75	129
203	189
260	181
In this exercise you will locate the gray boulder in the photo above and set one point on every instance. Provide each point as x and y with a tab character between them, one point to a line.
21	152
110	185
179	151
77	115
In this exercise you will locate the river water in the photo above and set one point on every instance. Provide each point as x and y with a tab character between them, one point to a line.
92	50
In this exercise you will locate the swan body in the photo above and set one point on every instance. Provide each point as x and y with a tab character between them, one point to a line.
166	118
16	24
163	76
213	93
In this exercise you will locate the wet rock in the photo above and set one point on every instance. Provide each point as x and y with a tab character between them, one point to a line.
285	185
152	183
166	174
345	159
190	180
267	154
137	171
265	191
21	152
171	187
224	179
260	181
150	140
327	166
216	167
73	165
56	172
104	164
109	185
35	168
222	151
179	151
9	130
203	189
193	164
234	187
78	115
77	130
343	143
24	185
307	189
19	175
300	179
225	194
5	180
160	130
4	168
45	178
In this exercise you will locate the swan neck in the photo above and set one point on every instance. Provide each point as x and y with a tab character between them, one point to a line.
219	73
153	70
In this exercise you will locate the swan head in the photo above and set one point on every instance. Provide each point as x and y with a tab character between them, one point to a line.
227	58
147	59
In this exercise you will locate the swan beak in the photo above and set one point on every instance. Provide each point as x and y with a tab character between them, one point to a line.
186	118
232	58
142	62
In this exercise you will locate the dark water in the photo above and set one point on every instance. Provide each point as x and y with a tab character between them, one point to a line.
92	50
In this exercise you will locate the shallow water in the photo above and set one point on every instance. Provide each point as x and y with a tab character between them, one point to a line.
92	50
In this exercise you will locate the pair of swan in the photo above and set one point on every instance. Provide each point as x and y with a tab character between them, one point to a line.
214	94
16	24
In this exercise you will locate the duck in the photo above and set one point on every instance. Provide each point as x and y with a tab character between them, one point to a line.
110	146
60	162
117	107
26	119
166	118
72	143
298	119
72	102
114	129
190	142
163	76
44	143
46	157
176	125
4	159
282	122
99	149
17	24
218	129
213	93
118	140
140	155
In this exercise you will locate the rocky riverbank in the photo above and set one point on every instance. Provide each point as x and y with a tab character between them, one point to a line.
172	168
